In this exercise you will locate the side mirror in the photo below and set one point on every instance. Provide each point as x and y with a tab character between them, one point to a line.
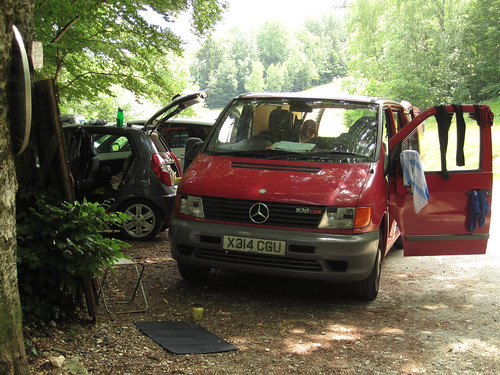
193	146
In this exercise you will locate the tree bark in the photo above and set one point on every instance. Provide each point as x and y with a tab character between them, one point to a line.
12	352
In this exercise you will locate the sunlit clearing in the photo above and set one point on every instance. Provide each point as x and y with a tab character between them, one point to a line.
392	331
414	370
475	345
304	343
401	275
445	278
303	348
435	307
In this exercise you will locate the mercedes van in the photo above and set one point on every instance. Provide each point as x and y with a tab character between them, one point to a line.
297	185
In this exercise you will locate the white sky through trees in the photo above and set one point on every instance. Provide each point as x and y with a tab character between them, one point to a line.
250	15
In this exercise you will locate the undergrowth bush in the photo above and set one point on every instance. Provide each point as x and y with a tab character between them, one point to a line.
60	244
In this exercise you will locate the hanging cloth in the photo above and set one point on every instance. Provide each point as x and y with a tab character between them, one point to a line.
478	209
443	122
460	135
414	177
484	116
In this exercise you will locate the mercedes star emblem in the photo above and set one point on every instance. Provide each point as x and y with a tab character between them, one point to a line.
259	213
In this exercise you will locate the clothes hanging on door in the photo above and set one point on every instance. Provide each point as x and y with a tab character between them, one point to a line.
443	121
478	209
460	134
414	177
483	116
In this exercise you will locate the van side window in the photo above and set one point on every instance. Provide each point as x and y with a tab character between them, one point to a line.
430	149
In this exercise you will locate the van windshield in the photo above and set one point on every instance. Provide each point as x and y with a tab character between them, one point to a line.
299	129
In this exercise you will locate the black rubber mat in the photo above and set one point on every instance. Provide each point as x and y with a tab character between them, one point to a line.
184	337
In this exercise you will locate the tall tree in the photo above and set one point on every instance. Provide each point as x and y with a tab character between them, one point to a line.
89	45
12	354
408	50
326	45
276	78
274	42
243	51
301	71
425	51
482	37
225	85
206	63
256	80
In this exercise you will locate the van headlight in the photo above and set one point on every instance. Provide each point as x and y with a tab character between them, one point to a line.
191	206
345	218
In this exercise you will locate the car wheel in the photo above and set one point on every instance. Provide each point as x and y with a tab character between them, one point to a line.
145	220
193	274
367	289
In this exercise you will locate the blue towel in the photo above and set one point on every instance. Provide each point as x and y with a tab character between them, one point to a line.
479	208
414	177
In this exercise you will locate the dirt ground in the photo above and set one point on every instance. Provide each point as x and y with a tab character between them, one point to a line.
436	315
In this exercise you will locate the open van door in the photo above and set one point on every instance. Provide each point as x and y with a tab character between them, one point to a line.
456	218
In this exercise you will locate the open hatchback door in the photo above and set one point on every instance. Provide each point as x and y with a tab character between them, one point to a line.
456	158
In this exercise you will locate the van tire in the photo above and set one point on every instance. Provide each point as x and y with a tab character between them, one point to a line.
193	274
368	288
145	220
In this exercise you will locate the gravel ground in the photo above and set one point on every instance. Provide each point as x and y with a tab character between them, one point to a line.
434	315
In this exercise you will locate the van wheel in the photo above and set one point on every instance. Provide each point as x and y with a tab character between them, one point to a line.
145	220
367	289
193	274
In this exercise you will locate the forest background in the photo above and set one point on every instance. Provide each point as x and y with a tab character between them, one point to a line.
428	52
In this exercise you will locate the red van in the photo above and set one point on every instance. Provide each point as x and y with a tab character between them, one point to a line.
321	188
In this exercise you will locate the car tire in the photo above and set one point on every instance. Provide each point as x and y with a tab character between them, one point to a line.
368	288
193	274
145	220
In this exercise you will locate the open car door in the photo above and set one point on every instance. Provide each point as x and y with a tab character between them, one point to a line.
456	218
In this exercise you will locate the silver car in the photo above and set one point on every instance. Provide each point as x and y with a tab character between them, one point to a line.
133	168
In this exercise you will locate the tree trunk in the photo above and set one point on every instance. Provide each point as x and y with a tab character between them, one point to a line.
12	353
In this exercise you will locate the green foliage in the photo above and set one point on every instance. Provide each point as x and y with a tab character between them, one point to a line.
224	87
425	51
271	59
273	41
243	51
91	45
207	61
256	82
324	41
483	36
276	78
60	244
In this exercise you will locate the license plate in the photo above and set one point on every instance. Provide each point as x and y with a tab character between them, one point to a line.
254	245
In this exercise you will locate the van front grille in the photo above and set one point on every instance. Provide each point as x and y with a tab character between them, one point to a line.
280	214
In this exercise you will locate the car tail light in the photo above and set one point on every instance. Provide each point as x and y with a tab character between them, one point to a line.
162	170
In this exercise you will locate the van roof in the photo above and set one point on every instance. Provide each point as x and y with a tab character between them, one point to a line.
312	95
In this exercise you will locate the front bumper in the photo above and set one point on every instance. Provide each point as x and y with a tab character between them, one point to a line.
309	255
